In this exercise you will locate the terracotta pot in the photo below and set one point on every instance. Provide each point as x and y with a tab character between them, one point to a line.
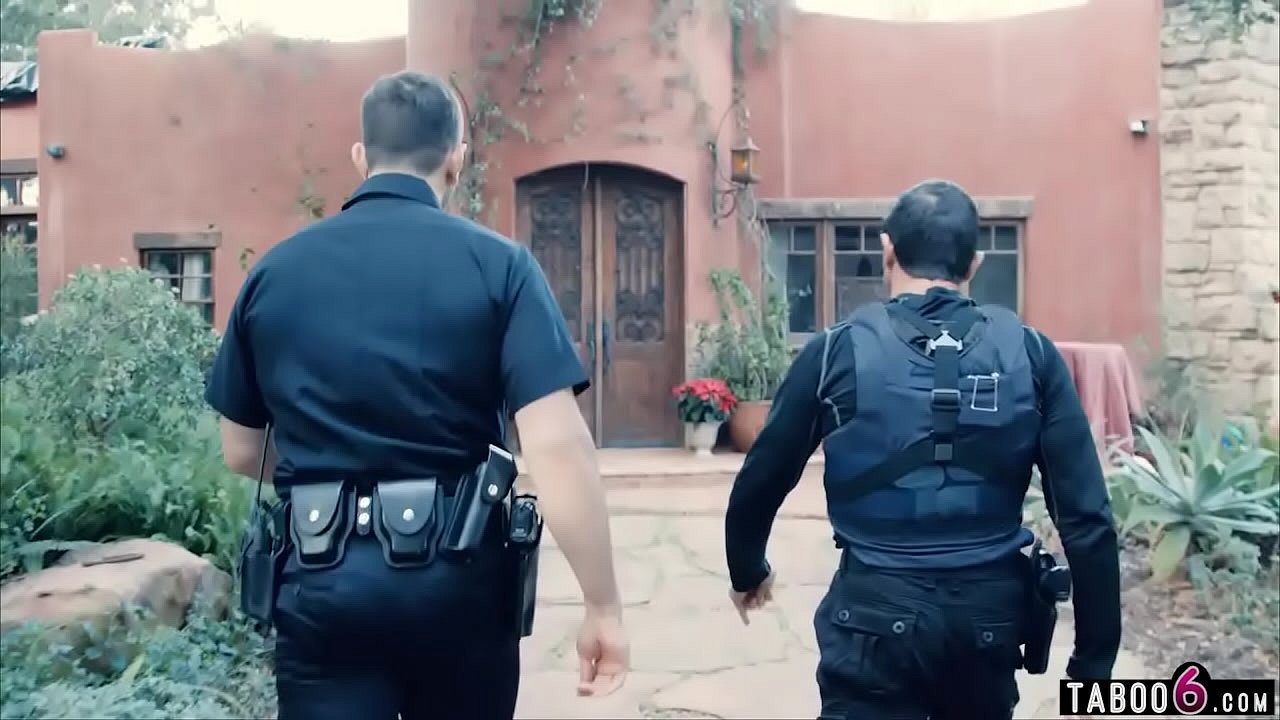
746	422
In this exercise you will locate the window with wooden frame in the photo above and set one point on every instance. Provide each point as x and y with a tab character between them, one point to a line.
829	267
19	207
185	262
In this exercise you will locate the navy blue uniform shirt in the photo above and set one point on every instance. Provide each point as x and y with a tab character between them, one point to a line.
390	341
1071	473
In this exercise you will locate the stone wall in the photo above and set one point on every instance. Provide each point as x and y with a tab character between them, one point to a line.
1220	161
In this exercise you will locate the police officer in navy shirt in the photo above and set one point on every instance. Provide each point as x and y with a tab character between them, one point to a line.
932	412
390	342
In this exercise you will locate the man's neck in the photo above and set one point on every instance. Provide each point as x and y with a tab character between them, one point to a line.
920	286
436	183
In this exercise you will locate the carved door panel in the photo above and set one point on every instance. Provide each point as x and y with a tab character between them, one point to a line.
641	331
554	219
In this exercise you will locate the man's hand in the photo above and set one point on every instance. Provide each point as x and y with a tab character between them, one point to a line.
753	599
604	654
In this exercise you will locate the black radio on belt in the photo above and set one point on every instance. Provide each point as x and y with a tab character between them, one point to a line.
479	493
525	530
524	534
1050	585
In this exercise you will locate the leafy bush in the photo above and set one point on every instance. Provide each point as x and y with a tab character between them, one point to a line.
57	490
117	356
1196	498
749	347
105	434
17	295
209	669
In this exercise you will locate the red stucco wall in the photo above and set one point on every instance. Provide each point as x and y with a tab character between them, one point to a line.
220	138
19	131
1035	106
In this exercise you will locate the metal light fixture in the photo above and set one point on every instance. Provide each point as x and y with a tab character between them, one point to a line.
742	174
742	163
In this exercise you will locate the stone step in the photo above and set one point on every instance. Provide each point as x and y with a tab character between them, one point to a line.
671	468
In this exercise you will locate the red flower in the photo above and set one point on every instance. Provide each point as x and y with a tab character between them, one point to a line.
704	399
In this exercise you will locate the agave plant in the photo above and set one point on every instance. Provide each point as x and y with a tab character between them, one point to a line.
1189	497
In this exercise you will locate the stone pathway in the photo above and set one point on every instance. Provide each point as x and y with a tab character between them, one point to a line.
691	655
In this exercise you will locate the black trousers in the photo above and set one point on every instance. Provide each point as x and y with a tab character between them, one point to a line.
366	641
899	645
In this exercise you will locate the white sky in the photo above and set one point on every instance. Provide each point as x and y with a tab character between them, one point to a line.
933	10
336	20
350	20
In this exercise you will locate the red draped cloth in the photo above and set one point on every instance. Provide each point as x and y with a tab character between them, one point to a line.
1108	388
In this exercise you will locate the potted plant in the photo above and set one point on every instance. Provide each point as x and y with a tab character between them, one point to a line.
749	349
704	404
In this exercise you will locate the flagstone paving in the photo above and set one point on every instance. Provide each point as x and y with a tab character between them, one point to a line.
691	655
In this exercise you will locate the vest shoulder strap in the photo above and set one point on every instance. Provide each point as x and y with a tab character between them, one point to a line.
940	446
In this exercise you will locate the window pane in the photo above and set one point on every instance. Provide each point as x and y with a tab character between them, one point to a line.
162	263
22	227
776	256
9	191
871	239
29	191
859	280
1006	238
848	237
196	263
195	289
997	281
802	279
984	238
206	310
804	238
865	265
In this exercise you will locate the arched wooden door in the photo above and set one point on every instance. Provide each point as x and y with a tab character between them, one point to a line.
610	242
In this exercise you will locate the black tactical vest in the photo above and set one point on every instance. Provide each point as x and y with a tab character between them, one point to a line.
931	471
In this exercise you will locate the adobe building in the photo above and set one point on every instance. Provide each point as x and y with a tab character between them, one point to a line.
1125	169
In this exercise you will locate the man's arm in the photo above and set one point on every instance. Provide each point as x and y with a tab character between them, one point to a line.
1076	497
541	374
233	391
772	468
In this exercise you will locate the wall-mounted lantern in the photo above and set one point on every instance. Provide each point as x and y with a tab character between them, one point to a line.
742	175
742	163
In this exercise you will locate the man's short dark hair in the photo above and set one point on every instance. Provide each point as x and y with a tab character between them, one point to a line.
934	229
409	120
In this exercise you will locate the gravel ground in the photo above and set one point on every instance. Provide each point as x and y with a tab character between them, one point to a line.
1170	623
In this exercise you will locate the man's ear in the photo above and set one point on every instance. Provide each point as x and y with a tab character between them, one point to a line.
454	164
360	160
889	258
978	257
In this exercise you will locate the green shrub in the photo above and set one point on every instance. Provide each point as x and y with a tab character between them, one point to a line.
105	433
209	669
17	295
1200	497
117	356
749	347
57	490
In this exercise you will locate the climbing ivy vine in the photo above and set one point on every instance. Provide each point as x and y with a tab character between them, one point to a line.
492	118
1234	17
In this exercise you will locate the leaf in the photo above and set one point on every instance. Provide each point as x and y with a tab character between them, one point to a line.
1160	517
130	673
1246	466
1169	552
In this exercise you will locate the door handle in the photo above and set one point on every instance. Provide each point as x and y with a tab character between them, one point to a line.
591	346
604	339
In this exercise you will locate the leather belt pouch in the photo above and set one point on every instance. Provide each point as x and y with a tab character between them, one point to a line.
320	523
408	525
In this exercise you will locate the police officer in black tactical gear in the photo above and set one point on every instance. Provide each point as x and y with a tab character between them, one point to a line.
932	411
384	348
